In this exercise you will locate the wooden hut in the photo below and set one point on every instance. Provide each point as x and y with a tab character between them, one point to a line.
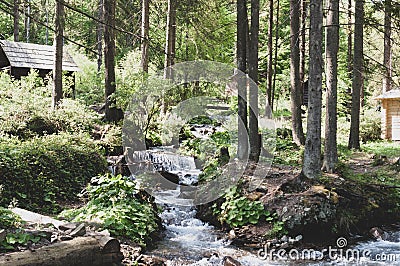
390	114
19	58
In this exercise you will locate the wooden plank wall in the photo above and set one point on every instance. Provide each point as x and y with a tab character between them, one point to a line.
394	118
391	119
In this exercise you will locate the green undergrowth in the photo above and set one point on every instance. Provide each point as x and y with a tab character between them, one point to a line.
12	233
25	109
286	151
114	202
42	173
390	149
237	210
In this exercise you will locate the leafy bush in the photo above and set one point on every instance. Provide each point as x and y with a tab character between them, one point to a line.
8	219
238	210
113	202
129	78
89	83
41	172
370	126
287	152
26	109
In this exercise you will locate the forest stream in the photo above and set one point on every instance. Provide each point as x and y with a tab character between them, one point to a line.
190	241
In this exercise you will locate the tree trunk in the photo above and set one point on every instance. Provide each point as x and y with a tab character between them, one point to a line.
387	51
332	47
28	19
241	57
254	138
47	22
357	86
170	35
276	51
312	151
111	113
80	251
16	20
58	54
303	19
270	54
295	85
145	36
349	40
99	36
349	50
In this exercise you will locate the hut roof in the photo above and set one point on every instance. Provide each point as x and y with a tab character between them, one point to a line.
392	94
29	55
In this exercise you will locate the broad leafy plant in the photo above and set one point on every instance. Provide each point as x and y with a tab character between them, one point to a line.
237	210
113	202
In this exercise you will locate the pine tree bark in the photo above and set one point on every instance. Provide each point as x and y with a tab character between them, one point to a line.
270	53
387	50
28	20
254	137
295	85
349	40
357	85
332	47
241	58
16	20
312	150
57	92
303	19
349	51
109	60
99	36
145	36
170	35
276	49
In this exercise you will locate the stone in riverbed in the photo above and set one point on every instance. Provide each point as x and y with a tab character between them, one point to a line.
285	245
174	178
284	239
229	261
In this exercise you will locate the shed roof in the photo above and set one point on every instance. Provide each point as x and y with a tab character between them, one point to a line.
29	55
392	94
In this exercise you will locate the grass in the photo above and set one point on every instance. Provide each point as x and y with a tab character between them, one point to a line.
383	148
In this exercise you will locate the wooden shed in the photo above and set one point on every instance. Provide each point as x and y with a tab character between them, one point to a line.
19	58
390	114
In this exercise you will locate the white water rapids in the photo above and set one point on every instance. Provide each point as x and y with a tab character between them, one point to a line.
189	241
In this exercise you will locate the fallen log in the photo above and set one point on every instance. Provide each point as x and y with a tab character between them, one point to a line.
80	251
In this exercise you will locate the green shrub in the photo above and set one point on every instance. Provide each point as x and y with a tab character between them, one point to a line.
238	210
44	171
89	83
370	126
115	204
8	219
25	108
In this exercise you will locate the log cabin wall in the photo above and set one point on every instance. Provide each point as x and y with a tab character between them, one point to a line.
391	119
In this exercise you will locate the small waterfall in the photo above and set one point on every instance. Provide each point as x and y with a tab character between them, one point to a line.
188	240
160	160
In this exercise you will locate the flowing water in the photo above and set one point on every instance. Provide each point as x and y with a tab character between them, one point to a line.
189	241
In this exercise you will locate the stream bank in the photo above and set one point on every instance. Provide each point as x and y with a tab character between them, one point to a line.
319	210
314	213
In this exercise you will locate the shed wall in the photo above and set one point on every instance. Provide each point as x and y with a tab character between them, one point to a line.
391	119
